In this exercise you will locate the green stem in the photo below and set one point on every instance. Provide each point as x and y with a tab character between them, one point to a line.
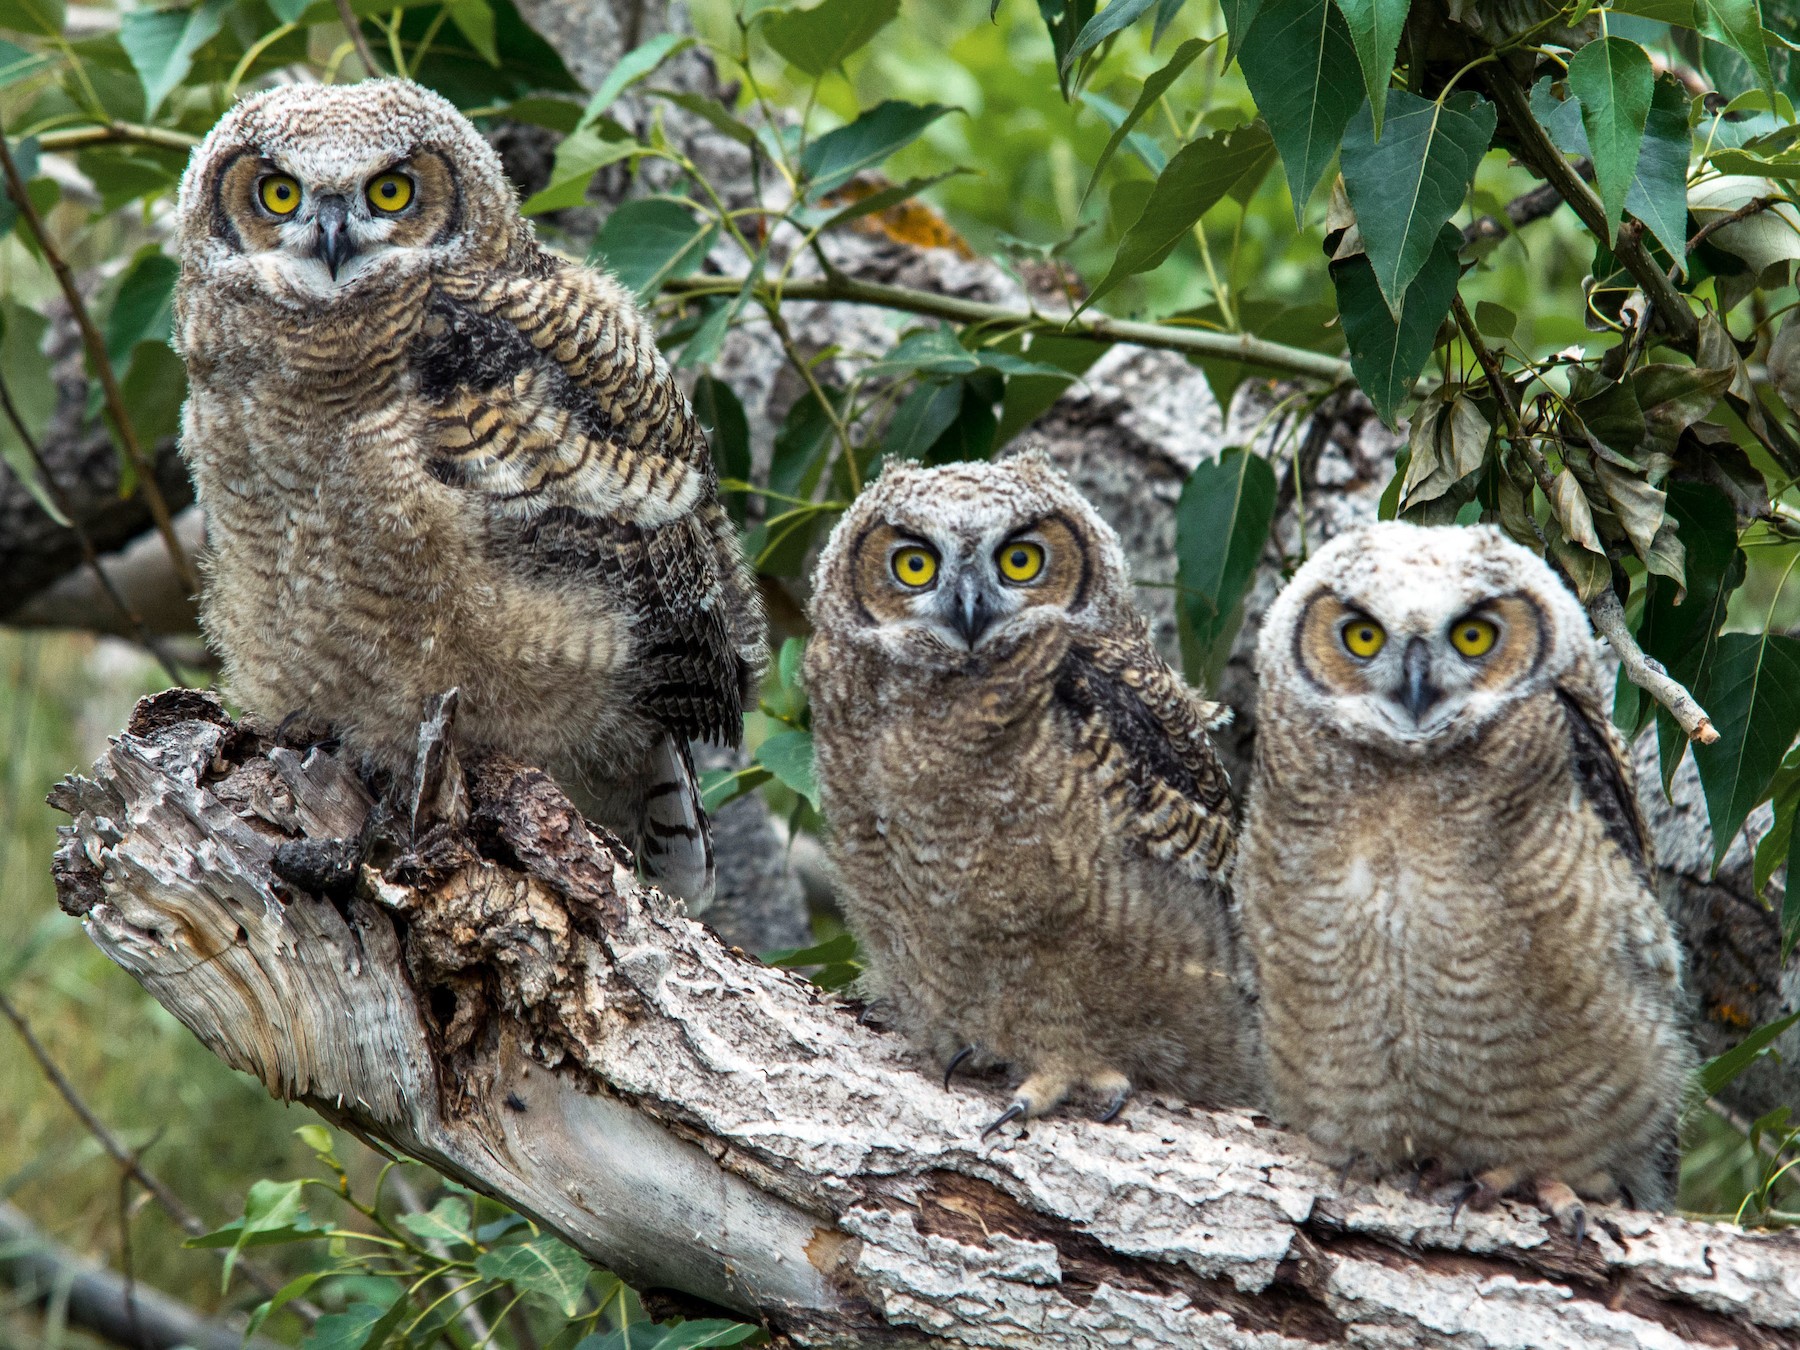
1252	351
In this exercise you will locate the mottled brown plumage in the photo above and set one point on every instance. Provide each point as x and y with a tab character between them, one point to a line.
1026	815
1446	882
433	455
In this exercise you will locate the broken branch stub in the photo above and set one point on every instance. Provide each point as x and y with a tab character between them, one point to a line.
508	1003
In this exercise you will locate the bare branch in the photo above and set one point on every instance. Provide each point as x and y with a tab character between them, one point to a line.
100	364
1647	673
353	26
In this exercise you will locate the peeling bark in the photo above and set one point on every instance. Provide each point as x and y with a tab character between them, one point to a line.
504	1000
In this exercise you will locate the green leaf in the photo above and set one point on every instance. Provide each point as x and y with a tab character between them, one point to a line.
818	40
1117	15
542	1266
1063	19
1751	690
840	948
1221	524
144	310
712	111
924	416
1497	321
1790	902
630	68
1302	70
719	787
789	756
1406	186
802	443
1155	86
161	44
727	431
1614	82
293	1289
474	19
1196	179
699	1334
27	374
1375	29
1738	24
1717	1073
838	156
274	1213
446	1222
937	352
579	156
648	242
1240	17
16	63
361	1326
1388	350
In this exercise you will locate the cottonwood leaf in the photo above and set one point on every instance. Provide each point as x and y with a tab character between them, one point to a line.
1221	524
1301	66
447	1221
1718	1072
1407	185
542	1266
789	756
1751	691
1117	15
820	39
629	69
161	44
1570	505
144	309
1199	176
1375	27
1389	349
1614	82
838	156
646	243
1738	24
1239	15
1449	439
1155	86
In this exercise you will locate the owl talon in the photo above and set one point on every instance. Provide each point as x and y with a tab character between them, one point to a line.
1465	1193
955	1061
1115	1106
1012	1112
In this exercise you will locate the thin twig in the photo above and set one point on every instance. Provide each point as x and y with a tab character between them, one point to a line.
361	43
1647	673
1750	208
115	133
1522	210
185	1219
89	554
1540	155
103	371
1252	351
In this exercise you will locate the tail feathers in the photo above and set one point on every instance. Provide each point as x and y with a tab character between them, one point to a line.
674	841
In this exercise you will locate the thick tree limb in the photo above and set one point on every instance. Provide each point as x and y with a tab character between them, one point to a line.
507	1003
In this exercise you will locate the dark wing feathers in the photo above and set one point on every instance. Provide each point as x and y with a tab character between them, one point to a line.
1598	759
549	400
1144	733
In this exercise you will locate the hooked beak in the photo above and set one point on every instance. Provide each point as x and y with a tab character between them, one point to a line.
971	615
334	244
1419	693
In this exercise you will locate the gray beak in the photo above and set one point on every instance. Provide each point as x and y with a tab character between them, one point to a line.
334	244
971	615
1419	693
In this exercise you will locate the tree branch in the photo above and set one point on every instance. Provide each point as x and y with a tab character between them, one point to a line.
1272	356
115	133
511	1005
103	1302
101	366
1646	673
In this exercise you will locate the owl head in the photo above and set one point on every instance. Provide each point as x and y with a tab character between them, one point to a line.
310	192
942	568
1412	639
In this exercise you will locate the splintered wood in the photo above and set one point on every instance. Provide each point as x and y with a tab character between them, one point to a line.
491	990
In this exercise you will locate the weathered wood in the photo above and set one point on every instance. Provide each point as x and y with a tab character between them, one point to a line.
508	1003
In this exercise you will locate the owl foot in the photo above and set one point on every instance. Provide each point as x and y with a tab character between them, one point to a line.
956	1062
1012	1112
1556	1198
1116	1105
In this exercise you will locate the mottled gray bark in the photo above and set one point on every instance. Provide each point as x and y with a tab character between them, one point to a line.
505	1001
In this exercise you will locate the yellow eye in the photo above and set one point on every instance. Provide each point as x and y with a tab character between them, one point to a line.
915	566
391	192
1021	561
1474	637
279	194
1364	637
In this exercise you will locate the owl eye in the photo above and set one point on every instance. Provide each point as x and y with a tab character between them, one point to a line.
1474	637
915	567
1020	562
1363	638
279	194
391	192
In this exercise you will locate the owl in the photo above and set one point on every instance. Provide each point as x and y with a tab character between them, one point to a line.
433	455
1446	882
1027	819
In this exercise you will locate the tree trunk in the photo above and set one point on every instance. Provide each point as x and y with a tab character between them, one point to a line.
501	998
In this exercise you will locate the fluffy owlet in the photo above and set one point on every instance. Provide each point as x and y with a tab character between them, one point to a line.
433	455
1027	818
1446	883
